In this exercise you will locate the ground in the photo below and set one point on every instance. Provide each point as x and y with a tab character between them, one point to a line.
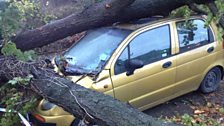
195	104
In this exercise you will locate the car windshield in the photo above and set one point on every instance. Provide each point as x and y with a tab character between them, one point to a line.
94	49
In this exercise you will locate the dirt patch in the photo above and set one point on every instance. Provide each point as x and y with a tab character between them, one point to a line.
209	105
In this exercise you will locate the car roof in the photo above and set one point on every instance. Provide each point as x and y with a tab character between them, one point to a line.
133	25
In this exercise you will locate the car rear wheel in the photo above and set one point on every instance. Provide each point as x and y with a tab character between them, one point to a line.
211	81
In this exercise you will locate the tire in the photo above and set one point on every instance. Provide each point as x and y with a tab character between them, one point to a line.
211	81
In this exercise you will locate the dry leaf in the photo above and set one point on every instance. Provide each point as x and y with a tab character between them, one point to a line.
199	112
40	28
193	107
209	104
108	6
198	120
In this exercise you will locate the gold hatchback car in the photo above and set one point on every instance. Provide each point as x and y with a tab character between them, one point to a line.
145	63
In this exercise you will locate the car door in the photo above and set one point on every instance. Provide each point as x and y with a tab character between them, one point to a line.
151	84
196	53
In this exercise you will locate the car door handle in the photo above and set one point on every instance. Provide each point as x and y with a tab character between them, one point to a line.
167	64
211	49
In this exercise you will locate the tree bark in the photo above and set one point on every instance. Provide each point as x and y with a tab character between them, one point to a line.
79	101
98	15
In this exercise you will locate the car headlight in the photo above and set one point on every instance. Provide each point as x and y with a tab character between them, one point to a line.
46	105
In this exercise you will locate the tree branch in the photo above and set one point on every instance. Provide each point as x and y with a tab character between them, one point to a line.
79	101
98	15
195	8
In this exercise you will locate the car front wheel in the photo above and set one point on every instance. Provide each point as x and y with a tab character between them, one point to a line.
211	81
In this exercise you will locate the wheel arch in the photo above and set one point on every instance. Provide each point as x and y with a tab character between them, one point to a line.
213	66
208	89
221	68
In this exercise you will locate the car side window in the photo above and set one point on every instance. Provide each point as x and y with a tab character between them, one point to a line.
149	46
193	34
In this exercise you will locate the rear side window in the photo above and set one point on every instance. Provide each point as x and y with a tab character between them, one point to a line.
149	46
193	34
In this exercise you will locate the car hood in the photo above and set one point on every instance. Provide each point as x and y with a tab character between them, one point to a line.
84	81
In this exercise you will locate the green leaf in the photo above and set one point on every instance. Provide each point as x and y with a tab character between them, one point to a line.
10	49
221	110
13	82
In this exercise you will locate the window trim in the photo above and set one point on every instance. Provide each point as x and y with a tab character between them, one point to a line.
212	34
209	27
137	34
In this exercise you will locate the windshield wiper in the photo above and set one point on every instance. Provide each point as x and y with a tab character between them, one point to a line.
73	71
83	76
69	58
62	64
67	68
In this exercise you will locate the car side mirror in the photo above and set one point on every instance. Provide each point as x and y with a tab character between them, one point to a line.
132	65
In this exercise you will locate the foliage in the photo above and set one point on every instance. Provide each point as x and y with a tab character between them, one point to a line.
208	115
19	15
9	21
16	16
12	18
196	120
186	12
182	12
24	81
11	50
16	100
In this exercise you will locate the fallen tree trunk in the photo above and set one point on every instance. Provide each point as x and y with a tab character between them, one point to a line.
98	15
79	101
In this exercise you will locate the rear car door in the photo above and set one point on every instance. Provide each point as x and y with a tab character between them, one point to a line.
152	83
196	53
